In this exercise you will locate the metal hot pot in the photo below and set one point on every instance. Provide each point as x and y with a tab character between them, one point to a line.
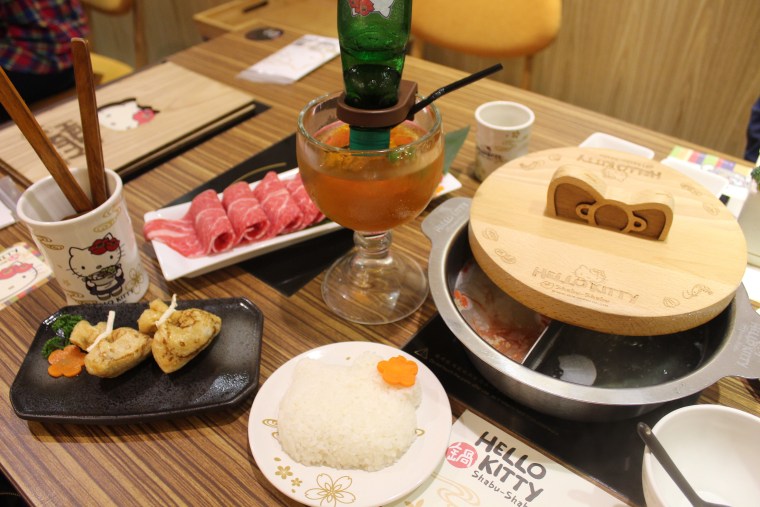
578	372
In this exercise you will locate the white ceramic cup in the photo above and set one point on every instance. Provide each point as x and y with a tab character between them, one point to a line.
93	256
503	132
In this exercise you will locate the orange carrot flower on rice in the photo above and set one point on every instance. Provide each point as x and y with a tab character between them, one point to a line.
398	371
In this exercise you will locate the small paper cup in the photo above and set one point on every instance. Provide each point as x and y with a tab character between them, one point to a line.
503	132
93	256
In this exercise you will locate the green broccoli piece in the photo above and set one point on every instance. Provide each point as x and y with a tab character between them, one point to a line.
62	326
65	323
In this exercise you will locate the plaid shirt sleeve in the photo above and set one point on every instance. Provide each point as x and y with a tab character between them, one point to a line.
35	35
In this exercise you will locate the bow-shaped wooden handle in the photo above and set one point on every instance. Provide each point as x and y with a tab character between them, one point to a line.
577	194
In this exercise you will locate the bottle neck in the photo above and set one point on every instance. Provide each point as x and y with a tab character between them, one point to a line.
373	41
370	129
369	139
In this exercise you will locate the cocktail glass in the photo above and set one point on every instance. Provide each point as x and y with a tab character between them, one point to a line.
371	192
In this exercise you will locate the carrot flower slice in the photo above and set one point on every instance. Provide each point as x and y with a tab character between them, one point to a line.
398	371
67	362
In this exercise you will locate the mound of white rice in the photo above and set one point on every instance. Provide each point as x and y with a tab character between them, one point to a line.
346	416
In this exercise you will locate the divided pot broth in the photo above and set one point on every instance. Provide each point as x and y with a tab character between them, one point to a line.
567	352
569	371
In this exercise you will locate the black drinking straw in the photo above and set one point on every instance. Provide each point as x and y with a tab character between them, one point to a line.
453	86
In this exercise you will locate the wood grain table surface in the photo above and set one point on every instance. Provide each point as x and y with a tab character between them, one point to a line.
206	459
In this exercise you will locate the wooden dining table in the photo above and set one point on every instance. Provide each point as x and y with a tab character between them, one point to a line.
205	459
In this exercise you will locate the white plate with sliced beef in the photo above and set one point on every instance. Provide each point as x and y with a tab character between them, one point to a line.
175	265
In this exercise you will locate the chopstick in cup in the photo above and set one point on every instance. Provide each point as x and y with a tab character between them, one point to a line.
88	112
51	159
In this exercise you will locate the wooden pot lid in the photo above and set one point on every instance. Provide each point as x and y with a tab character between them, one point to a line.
596	276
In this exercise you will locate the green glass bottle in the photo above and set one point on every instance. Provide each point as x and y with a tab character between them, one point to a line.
373	37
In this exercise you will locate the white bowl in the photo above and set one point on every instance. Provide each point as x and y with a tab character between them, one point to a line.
718	451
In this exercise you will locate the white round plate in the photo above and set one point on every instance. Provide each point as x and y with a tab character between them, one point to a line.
325	486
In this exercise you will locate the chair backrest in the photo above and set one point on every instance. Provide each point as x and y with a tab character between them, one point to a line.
119	8
488	28
112	7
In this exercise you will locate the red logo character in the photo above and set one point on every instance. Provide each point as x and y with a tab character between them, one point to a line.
461	455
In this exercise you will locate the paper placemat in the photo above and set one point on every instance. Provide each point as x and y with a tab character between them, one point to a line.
607	452
487	466
294	61
141	116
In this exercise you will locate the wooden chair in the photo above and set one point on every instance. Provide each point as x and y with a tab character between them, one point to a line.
488	28
106	68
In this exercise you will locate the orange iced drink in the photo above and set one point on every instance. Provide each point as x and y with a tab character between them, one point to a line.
371	191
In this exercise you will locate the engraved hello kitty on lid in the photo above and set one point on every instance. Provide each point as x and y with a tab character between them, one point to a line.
597	277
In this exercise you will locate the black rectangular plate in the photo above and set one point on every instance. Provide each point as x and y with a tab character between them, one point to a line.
221	376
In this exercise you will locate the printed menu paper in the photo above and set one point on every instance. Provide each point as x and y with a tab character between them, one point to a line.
21	271
487	466
294	61
739	176
142	116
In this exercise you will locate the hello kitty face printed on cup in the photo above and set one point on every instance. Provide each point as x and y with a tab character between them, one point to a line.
125	115
99	267
367	7
94	257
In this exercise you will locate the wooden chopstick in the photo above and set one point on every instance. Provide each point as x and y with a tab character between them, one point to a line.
56	166
88	111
